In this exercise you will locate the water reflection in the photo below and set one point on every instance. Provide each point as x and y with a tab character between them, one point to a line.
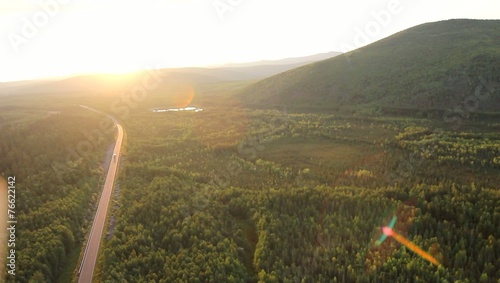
190	108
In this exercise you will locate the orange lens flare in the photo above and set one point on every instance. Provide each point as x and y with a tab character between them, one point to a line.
389	232
182	95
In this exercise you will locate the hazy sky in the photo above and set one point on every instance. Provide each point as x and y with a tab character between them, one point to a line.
40	38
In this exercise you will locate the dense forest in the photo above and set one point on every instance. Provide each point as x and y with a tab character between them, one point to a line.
245	195
57	163
233	195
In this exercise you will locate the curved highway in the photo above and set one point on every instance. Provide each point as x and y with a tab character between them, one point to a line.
86	271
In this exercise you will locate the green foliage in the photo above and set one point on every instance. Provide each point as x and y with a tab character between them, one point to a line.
52	207
421	68
469	149
191	212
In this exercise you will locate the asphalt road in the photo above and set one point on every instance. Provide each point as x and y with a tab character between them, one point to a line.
86	270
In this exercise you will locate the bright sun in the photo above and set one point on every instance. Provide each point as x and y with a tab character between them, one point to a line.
109	37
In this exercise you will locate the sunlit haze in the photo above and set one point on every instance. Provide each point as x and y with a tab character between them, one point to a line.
57	38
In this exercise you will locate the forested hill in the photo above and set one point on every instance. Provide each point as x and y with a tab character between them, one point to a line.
432	65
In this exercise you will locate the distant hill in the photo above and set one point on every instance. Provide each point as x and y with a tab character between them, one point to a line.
432	66
287	61
80	84
105	83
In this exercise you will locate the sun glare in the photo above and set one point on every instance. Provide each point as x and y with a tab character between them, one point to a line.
61	38
76	37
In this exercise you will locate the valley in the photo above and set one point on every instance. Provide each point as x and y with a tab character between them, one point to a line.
287	178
